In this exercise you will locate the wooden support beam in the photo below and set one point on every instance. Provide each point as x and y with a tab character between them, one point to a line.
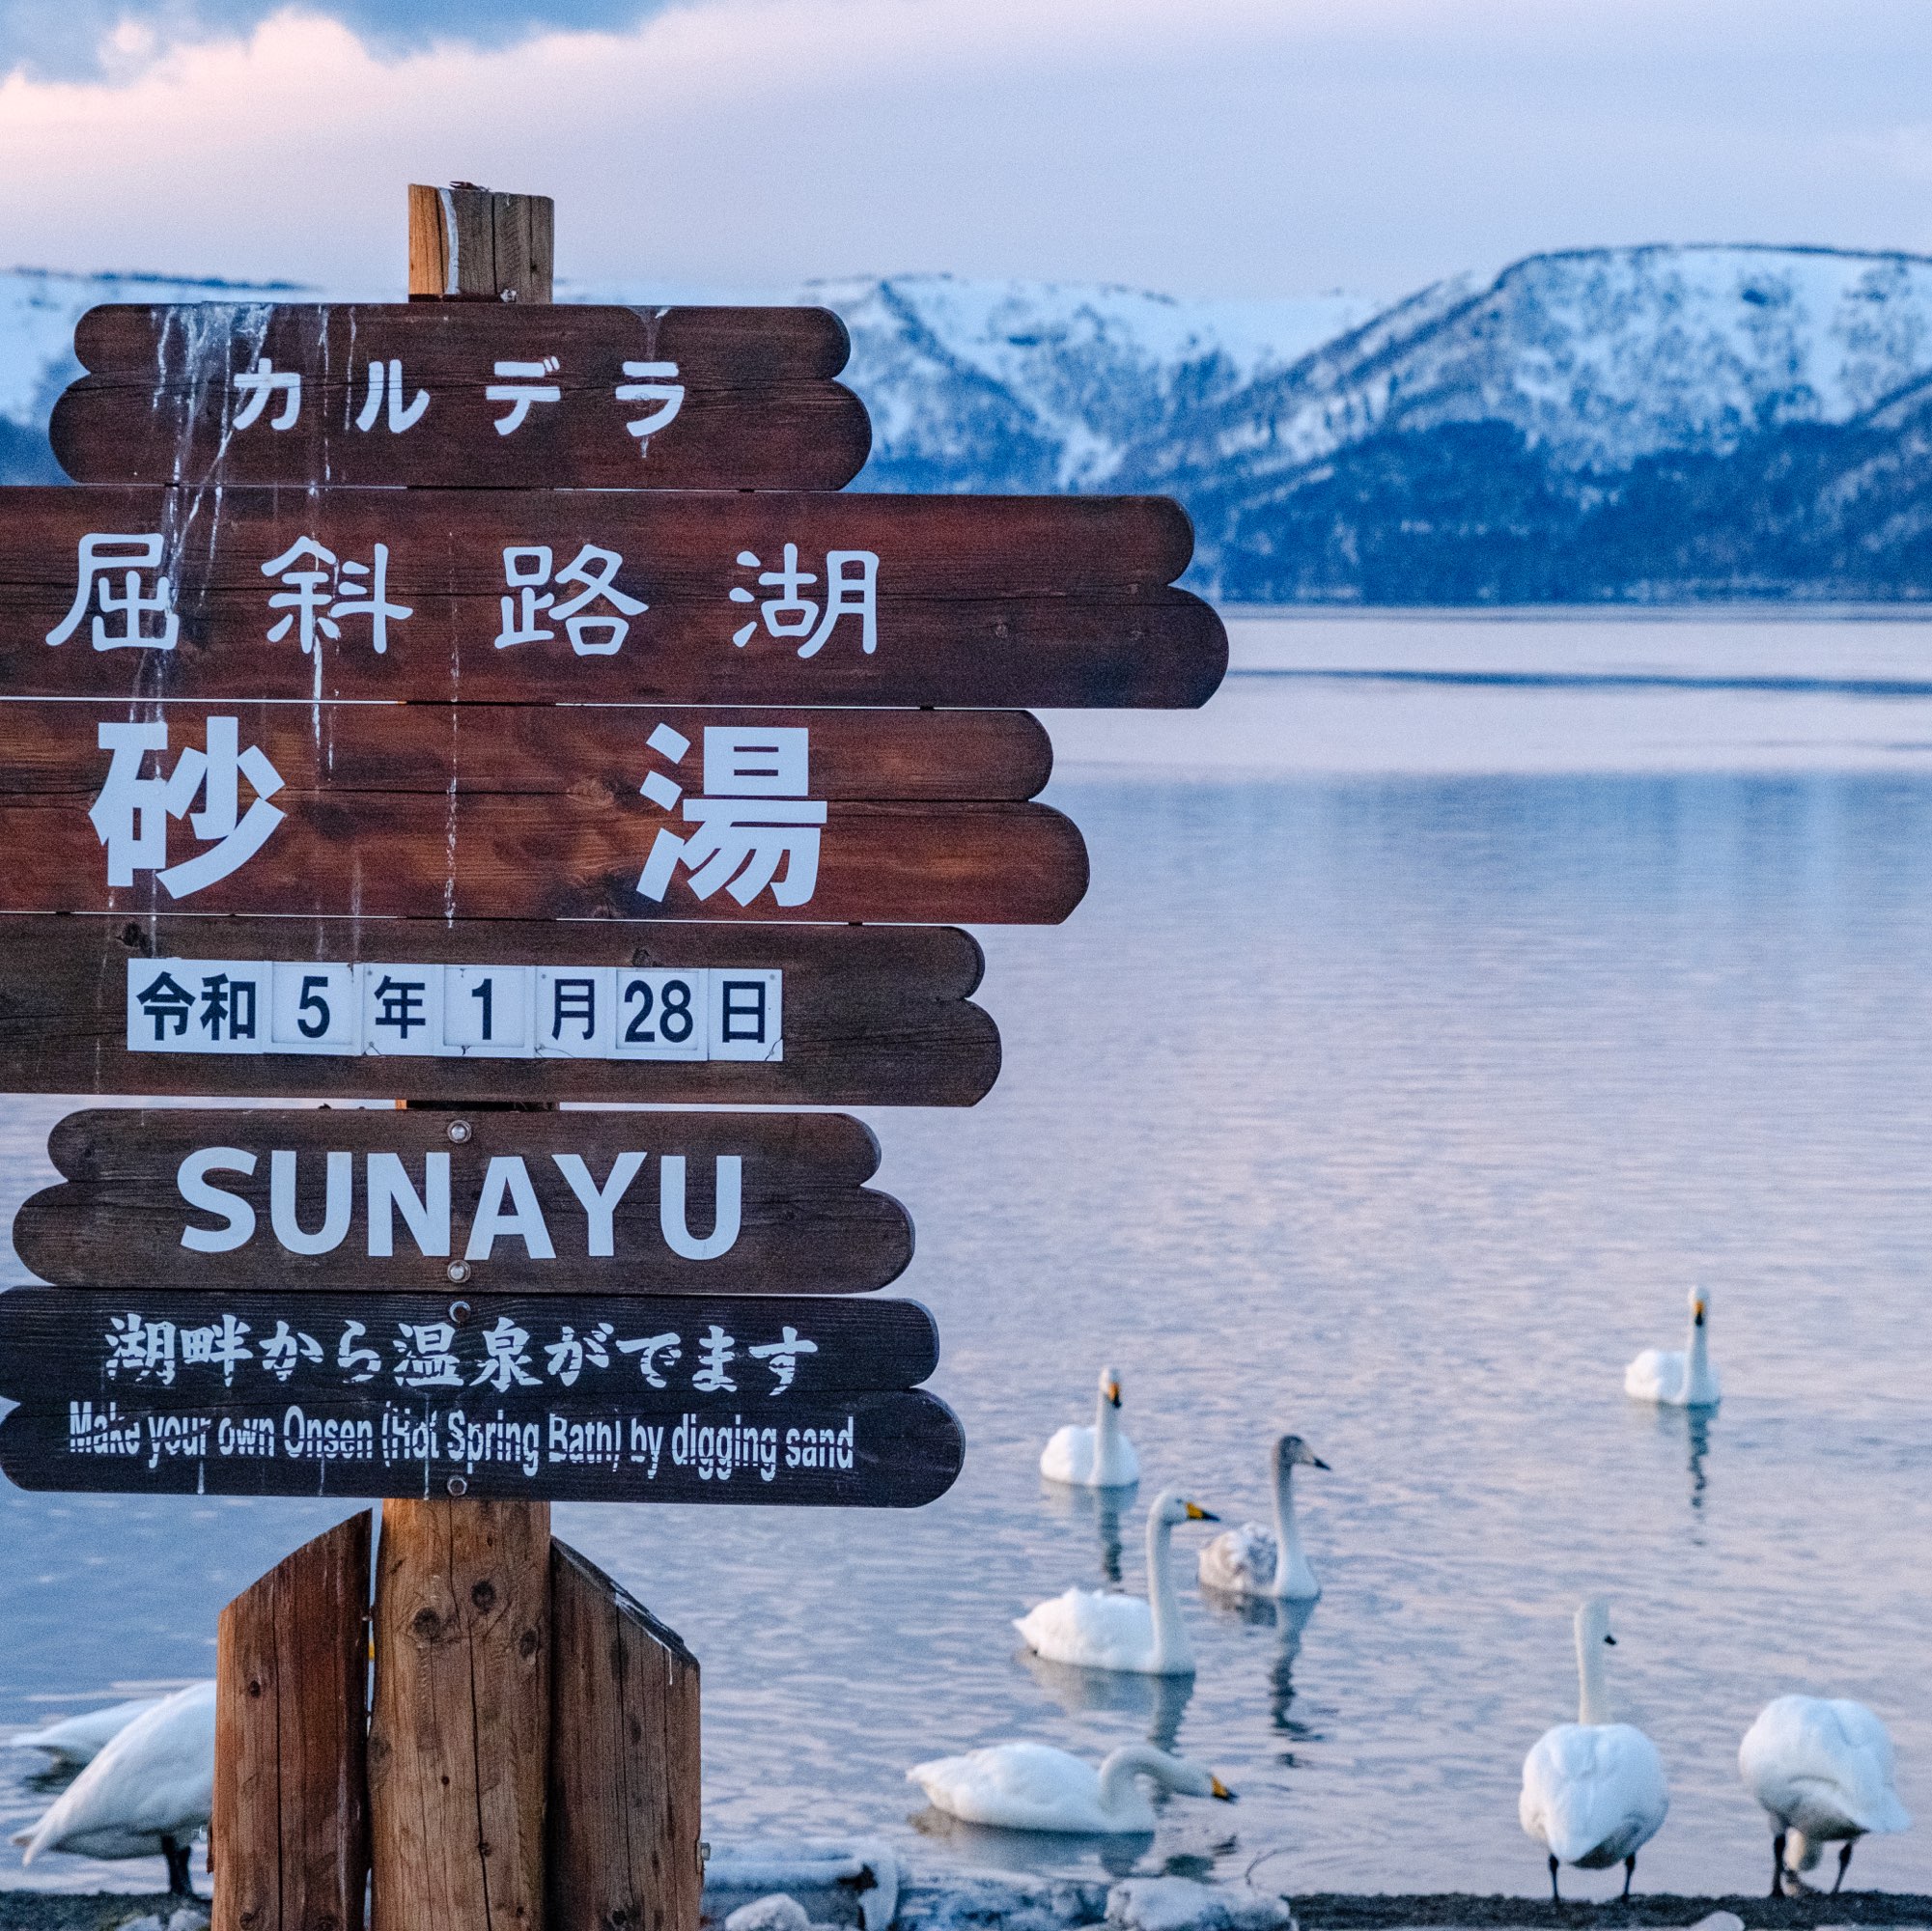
622	1847
290	1822
458	1746
468	245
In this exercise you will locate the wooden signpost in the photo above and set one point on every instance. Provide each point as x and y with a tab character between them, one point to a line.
614	759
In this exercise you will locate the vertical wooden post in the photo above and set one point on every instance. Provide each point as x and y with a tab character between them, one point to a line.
459	1741
623	1842
468	245
290	1822
458	1744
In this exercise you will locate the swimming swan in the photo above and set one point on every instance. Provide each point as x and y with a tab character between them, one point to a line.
78	1740
146	1793
1100	1631
1674	1379
1100	1457
1035	1787
1248	1562
1593	1792
1822	1767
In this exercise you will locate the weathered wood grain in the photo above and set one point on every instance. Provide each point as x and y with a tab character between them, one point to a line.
756	402
419	811
980	600
895	1448
625	1791
873	1016
458	1742
805	1221
74	1342
468	244
291	1825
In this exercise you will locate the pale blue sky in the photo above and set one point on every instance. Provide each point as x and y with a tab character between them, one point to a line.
1202	147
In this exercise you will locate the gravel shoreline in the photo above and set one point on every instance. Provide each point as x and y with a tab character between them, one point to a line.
927	1903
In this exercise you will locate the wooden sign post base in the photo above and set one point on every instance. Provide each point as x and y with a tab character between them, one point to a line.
531	1759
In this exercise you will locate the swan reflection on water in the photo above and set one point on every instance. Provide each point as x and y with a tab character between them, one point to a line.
1162	1699
1101	1508
1692	1427
1035	1852
1290	1619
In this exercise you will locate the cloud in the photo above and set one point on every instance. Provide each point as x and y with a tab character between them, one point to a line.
113	39
1204	147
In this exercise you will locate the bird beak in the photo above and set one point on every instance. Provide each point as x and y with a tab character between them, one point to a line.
1611	1640
1316	1462
1216	1788
1113	1393
1195	1513
1697	1313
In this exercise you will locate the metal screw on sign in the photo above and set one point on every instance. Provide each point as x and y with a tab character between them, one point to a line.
458	1132
457	1486
457	1271
459	1311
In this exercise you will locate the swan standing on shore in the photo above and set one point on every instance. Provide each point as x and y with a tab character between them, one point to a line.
76	1741
1100	1457
1823	1768
1678	1380
1248	1562
1594	1791
1099	1630
1034	1787
146	1793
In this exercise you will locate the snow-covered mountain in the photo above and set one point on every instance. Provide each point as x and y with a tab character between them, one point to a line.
1598	424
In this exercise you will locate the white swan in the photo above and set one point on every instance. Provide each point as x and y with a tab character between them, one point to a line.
78	1740
1248	1562
1674	1377
1593	1792
1822	1767
1035	1787
146	1793
1102	1631
1100	1457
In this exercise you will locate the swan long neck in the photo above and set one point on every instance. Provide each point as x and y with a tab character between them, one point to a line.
1697	1360
1107	1428
1170	1635
1289	1558
1123	1766
1592	1693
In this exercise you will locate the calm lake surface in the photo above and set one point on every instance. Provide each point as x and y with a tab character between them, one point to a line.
1450	997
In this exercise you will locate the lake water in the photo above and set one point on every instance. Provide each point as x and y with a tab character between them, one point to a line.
1451	996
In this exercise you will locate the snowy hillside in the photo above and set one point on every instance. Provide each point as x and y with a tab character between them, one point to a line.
1600	424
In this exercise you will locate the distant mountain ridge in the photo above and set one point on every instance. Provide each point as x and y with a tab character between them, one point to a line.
1599	425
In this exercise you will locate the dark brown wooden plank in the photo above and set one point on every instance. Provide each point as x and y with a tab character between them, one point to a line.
872	1016
797	1218
625	1795
459	1741
899	1448
420	811
291	1826
469	244
741	398
979	600
93	1343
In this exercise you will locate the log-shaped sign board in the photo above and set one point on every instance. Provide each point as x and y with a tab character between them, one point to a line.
581	1398
348	1009
630	1202
492	811
750	597
561	397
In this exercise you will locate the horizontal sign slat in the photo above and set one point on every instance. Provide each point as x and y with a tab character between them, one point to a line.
855	1017
646	1202
428	392
890	1450
749	597
421	811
